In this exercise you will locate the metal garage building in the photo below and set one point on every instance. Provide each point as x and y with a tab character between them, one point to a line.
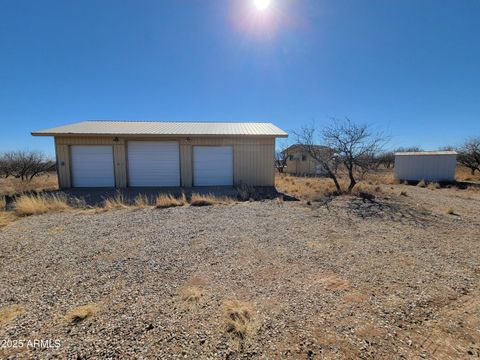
157	154
426	165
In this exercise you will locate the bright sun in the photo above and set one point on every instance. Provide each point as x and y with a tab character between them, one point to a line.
262	4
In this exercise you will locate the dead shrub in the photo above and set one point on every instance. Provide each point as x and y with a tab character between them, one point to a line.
239	319
164	201
81	313
8	313
40	204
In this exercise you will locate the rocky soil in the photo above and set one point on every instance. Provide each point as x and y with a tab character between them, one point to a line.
398	278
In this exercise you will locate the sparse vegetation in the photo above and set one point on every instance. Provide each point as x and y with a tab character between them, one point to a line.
25	165
164	201
469	155
450	211
209	199
11	185
27	205
348	149
422	184
8	313
238	318
142	201
433	186
191	294
81	313
116	203
6	217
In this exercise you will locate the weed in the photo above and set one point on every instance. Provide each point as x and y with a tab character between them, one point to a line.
209	199
238	318
81	313
116	203
422	184
141	201
40	204
166	200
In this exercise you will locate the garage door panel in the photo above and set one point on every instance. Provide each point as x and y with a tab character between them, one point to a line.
153	163
212	165
92	166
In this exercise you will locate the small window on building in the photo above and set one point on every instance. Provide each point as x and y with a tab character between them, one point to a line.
290	157
304	157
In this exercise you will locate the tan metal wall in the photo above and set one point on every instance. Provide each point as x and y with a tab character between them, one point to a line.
425	167
252	157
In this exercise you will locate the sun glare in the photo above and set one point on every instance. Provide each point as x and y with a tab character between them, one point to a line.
262	4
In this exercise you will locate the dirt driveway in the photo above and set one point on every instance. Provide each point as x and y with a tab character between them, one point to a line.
393	279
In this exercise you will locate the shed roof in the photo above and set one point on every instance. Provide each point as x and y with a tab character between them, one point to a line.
422	153
164	128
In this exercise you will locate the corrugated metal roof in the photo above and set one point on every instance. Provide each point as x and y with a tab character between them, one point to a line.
427	153
164	128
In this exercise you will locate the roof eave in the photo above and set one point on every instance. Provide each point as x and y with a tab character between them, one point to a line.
158	135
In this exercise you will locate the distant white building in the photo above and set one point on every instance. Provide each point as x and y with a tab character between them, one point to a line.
426	165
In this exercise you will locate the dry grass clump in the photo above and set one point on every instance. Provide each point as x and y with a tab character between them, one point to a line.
142	201
6	217
209	199
80	313
305	187
166	200
40	204
334	283
433	186
422	184
8	313
191	294
367	188
116	203
450	211
239	319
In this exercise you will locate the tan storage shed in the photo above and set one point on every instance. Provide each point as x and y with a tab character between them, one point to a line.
158	154
426	165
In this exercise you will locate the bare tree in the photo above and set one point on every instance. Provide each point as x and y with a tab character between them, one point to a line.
409	149
347	144
325	157
281	157
469	154
25	165
387	159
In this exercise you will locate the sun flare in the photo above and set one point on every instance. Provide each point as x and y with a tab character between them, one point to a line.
262	4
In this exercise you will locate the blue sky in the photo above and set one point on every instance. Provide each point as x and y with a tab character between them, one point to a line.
410	67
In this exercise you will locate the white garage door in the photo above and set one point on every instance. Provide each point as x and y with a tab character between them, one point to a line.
153	163
212	165
92	166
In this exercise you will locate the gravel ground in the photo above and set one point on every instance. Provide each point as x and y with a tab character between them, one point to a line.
394	279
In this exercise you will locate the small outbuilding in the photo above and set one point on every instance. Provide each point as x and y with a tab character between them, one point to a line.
299	162
426	165
164	154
